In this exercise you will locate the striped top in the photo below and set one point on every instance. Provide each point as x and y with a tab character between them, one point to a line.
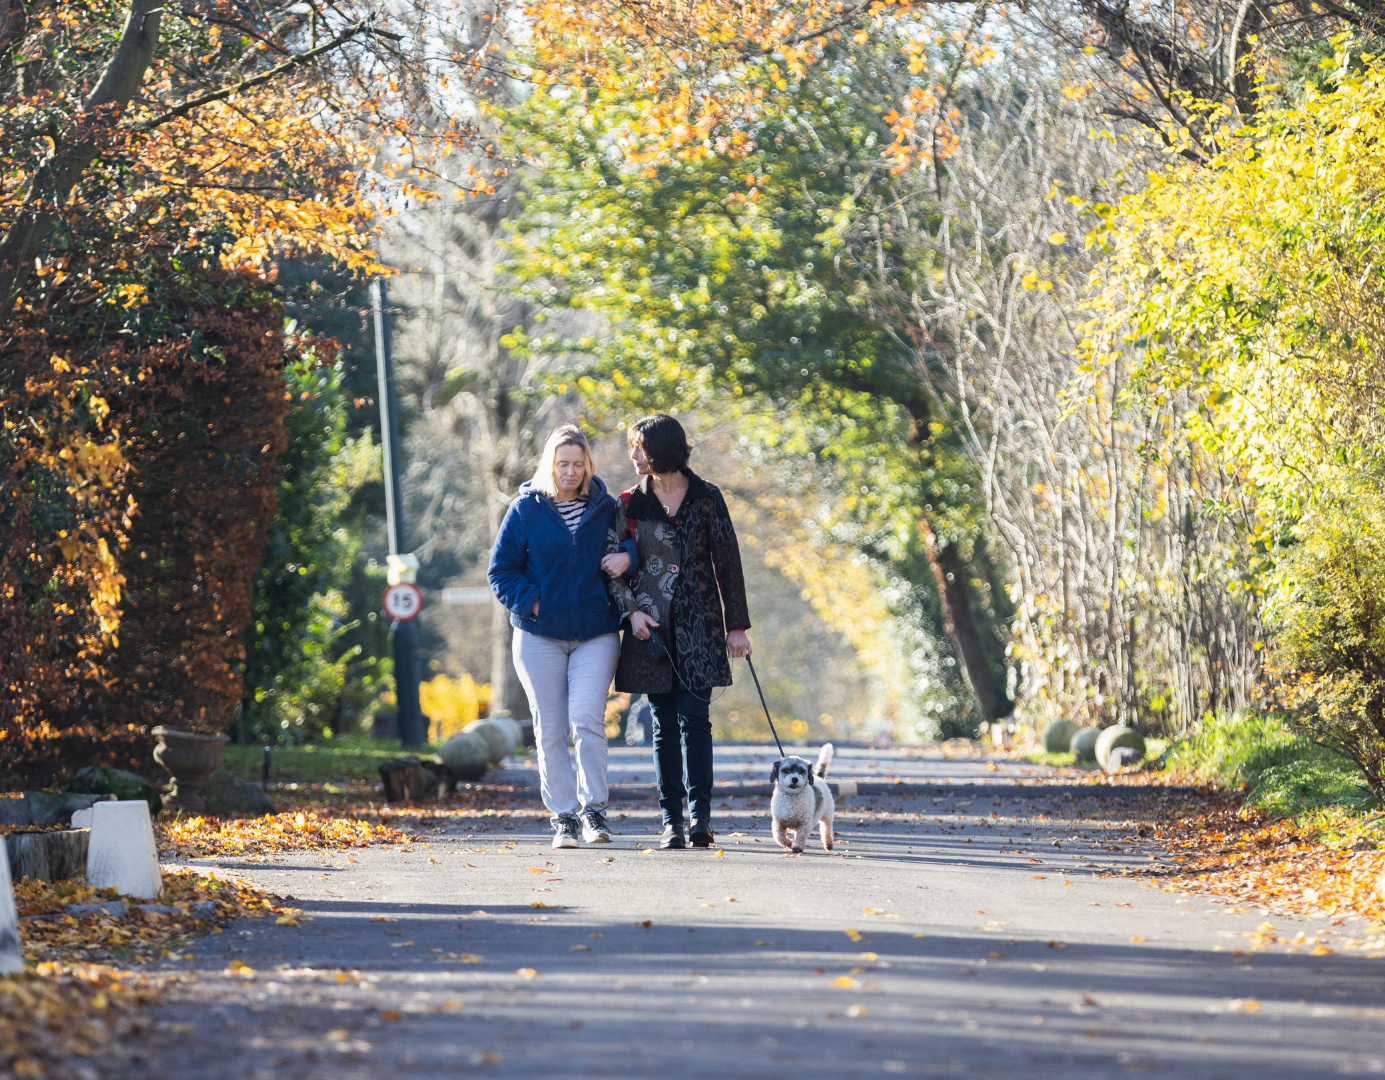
571	511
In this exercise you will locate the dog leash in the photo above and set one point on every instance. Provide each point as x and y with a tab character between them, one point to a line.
765	707
654	636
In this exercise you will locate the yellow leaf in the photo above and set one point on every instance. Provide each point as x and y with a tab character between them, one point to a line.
845	982
1056	238
538	904
470	958
854	935
527	973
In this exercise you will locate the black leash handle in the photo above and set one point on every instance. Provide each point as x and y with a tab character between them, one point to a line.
764	706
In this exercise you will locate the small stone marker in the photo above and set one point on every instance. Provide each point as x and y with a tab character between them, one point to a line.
122	854
11	960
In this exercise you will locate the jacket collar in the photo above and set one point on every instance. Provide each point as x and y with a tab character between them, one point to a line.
697	487
598	497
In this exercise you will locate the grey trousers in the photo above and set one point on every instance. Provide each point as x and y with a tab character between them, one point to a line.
568	683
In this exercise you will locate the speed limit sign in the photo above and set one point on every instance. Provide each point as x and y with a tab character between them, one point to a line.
403	601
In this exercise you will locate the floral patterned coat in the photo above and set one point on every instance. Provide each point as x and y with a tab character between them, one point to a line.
689	567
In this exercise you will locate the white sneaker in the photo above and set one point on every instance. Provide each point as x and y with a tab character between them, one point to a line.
594	830
565	831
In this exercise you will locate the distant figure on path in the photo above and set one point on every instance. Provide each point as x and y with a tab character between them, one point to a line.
546	569
688	570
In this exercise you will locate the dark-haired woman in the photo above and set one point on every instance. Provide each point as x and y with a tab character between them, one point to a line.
686	593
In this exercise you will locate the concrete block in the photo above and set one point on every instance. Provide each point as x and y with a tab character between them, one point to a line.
81	819
11	960
122	854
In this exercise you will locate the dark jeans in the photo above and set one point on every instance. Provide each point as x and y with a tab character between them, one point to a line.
683	753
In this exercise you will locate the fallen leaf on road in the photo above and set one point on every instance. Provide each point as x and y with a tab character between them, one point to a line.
536	869
1246	1005
1056	945
470	958
391	1014
337	1035
856	1010
538	904
1137	939
487	1057
579	948
286	920
718	854
764	943
846	982
239	969
527	973
854	935
647	923
869	956
596	933
382	918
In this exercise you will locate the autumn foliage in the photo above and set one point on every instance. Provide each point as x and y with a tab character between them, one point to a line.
140	481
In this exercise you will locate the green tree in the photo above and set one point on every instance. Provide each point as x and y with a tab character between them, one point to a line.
301	677
747	277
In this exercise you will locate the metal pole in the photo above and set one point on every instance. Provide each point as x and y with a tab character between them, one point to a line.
404	635
384	370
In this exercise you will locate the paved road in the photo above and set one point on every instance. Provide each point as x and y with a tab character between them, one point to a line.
974	929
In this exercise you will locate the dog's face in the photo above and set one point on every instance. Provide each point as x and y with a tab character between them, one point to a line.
791	774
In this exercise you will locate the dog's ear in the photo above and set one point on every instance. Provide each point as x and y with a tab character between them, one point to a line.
774	773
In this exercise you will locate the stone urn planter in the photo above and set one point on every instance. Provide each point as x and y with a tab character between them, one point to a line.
192	759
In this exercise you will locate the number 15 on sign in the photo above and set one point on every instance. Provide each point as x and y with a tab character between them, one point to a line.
403	601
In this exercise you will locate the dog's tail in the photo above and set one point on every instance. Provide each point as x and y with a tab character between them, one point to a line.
824	760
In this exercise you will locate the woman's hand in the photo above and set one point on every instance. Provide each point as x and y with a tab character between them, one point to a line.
640	624
616	563
536	608
738	643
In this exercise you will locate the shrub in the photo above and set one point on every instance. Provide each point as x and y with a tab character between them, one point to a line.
1278	768
1328	622
297	667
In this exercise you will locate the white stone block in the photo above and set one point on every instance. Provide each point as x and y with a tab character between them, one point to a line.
81	819
122	854
11	961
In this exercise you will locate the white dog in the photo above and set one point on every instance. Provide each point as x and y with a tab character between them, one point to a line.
801	800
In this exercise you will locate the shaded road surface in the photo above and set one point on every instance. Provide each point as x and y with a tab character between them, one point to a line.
964	930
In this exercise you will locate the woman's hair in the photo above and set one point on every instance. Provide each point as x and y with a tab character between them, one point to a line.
663	440
544	476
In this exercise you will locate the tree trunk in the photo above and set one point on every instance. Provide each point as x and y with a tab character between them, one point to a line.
48	856
950	573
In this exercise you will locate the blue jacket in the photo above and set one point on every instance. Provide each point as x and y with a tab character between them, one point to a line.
536	557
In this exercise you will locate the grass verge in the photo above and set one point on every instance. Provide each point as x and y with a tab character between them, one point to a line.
347	757
1276	770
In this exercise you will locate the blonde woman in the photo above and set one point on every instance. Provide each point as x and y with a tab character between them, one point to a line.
546	569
